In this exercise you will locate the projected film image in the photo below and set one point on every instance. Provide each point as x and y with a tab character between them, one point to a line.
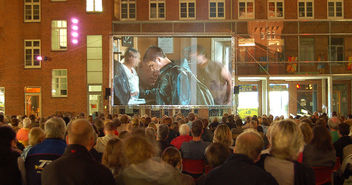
172	71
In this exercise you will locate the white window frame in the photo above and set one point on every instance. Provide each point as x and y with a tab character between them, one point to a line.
32	4
246	9
94	10
283	9
335	7
128	3
32	48
305	9
60	78
157	2
60	40
217	9
187	9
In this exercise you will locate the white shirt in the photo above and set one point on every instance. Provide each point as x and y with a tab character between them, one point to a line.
133	79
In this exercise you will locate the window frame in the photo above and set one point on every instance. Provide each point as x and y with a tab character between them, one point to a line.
187	9
217	9
32	4
305	9
246	9
128	2
335	7
283	9
59	84
94	7
32	47
59	40
157	2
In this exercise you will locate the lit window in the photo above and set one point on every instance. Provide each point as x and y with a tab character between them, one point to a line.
305	8
157	9
94	6
187	9
32	11
128	9
335	8
59	35
275	9
2	100
216	9
31	52
59	83
246	9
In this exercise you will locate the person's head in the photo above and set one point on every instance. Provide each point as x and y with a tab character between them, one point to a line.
191	116
249	143
197	128
116	122
113	156
163	132
167	121
152	125
109	128
306	131
80	132
14	122
124	119
124	134
138	149
7	138
253	124
26	123
173	157
36	135
184	130
55	128
150	133
322	139
236	132
286	140
216	154
132	57
223	135
195	53
98	123
2	118
333	123
344	129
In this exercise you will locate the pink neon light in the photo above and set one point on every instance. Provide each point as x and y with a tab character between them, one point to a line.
74	27
74	20
74	34
39	58
74	41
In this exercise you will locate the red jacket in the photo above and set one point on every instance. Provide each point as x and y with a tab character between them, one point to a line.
177	142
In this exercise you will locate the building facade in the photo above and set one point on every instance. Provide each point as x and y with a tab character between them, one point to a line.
287	56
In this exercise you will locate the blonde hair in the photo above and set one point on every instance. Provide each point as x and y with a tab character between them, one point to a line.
113	157
138	149
286	140
36	135
223	135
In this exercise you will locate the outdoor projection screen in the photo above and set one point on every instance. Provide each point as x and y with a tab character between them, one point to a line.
172	71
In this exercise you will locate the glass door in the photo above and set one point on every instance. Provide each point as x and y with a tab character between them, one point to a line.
278	99
33	101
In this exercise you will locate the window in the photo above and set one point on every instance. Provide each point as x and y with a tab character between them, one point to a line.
59	83
276	9
187	9
306	49
246	9
305	9
94	6
59	35
128	9
32	11
337	49
335	8
157	9
216	9
31	51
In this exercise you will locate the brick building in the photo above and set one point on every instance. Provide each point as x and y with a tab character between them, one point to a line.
287	56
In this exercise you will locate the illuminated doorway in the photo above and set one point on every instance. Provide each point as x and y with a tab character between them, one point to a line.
248	100
2	100
33	101
278	99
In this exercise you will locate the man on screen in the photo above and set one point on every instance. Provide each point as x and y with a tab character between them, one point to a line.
213	74
173	86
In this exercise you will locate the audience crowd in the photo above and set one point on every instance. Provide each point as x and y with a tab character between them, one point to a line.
175	150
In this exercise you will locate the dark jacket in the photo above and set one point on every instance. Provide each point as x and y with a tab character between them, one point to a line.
340	144
239	169
76	166
9	172
121	85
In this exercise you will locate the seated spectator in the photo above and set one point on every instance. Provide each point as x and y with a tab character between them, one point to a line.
52	147
193	151
172	156
184	131
14	123
320	152
36	135
163	133
207	134
99	125
109	133
307	132
344	140
124	134
235	133
142	166
150	134
223	136
191	117
333	124
113	157
76	166
173	131
216	154
9	172
22	134
240	168
286	141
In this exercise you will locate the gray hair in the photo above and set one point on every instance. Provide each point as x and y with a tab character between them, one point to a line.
27	123
55	128
184	129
